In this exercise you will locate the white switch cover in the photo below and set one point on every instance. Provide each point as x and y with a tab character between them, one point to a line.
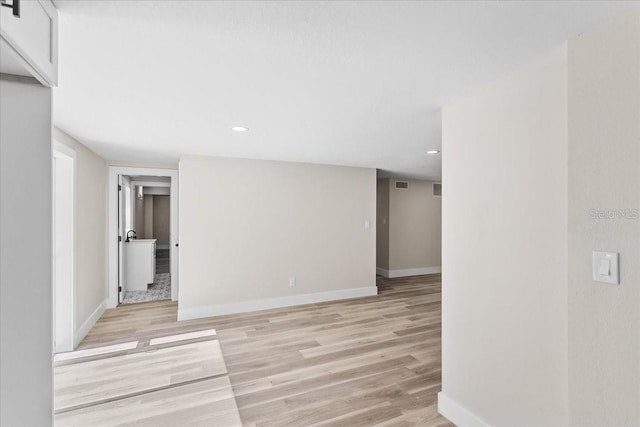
367	224
606	267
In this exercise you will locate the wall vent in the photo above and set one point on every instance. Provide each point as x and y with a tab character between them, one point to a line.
437	189
402	184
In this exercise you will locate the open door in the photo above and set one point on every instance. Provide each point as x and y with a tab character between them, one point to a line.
125	223
121	233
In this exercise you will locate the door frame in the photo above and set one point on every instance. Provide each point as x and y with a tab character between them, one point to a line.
112	236
63	301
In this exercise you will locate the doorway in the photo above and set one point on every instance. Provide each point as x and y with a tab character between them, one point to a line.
143	235
63	209
144	221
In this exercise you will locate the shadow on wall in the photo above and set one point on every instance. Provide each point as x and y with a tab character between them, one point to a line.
152	215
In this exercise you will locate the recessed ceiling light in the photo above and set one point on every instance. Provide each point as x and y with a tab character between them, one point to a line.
433	151
240	128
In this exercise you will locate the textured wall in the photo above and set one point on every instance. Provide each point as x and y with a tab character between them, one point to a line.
504	288
604	173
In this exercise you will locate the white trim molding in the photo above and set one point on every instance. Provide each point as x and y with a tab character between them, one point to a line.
279	302
458	414
391	274
88	324
66	303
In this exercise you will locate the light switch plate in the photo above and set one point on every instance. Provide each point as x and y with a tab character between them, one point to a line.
606	267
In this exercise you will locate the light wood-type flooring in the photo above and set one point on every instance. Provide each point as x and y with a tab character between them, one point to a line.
358	362
176	380
111	377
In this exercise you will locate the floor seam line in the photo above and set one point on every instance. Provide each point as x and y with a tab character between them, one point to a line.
139	393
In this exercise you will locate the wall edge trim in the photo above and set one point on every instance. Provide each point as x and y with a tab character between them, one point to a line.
89	323
391	274
278	302
458	414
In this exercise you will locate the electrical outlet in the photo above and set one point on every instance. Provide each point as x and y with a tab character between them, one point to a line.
292	281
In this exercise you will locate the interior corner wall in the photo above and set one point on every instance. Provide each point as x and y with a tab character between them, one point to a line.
90	259
504	289
409	224
415	229
604	175
382	225
25	255
161	214
248	226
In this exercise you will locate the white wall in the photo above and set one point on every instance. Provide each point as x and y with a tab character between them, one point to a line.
246	226
604	173
91	234
528	337
504	325
25	255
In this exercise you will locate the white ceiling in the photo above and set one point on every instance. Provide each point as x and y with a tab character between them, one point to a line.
348	83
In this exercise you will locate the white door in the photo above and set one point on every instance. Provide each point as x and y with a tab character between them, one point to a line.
63	249
121	236
174	237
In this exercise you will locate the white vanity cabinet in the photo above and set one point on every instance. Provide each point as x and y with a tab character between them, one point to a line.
141	263
29	40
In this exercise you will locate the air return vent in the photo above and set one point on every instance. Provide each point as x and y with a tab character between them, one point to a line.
437	189
402	184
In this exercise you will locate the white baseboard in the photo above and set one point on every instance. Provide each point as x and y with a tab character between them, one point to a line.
457	414
88	324
391	274
268	303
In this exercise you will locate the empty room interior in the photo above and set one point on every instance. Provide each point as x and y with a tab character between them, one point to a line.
320	213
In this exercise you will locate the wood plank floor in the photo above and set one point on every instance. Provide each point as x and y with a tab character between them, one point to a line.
359	362
203	403
106	378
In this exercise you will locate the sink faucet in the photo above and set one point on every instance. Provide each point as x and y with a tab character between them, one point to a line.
131	234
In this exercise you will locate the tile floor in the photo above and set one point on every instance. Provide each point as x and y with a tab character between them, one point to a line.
160	290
